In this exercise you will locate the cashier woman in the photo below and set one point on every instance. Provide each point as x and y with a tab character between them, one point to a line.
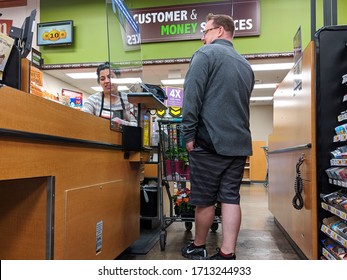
110	103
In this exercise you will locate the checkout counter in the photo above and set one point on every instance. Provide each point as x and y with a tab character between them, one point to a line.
68	189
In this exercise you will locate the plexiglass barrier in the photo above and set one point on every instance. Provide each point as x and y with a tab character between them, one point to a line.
125	73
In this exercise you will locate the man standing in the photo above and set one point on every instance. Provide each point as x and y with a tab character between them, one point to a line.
215	121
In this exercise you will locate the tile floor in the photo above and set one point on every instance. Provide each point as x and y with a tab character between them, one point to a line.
259	238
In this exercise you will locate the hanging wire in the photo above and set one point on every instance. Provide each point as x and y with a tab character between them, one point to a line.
298	201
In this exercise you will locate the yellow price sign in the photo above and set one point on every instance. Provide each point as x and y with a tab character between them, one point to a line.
54	35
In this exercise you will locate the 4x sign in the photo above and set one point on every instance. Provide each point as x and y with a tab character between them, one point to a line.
175	96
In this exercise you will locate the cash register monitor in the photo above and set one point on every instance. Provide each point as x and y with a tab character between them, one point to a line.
22	46
24	36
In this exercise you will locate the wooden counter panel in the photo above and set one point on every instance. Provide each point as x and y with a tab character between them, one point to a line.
142	156
294	128
23	219
301	224
258	161
74	167
54	141
26	112
293	110
87	206
151	170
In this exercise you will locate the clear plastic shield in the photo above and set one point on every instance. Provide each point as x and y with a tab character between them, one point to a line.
125	60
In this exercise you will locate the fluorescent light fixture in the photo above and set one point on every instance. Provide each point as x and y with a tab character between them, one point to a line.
92	75
120	88
87	75
272	66
125	81
181	81
262	98
123	88
172	82
265	86
97	88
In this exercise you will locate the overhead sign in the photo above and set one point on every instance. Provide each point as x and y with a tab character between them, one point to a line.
186	22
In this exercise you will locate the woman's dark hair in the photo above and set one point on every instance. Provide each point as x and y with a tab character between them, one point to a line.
104	66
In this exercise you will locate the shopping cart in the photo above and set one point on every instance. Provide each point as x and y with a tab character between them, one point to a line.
174	177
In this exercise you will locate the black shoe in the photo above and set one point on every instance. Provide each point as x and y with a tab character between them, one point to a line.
194	253
218	256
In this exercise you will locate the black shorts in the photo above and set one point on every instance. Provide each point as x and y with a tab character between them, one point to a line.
215	177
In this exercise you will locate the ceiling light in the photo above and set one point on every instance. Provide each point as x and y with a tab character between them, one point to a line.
272	66
123	88
172	82
92	75
120	88
265	86
262	98
97	88
86	75
125	81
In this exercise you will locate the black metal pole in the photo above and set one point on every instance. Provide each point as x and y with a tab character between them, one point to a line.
327	12
334	12
313	19
330	12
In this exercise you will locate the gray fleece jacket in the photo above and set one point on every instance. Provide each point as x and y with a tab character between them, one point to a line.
217	91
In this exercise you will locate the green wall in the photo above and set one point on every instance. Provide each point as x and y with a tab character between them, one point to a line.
89	30
279	21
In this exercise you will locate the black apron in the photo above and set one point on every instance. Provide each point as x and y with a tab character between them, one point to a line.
107	113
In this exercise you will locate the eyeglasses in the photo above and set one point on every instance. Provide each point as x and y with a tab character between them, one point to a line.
207	30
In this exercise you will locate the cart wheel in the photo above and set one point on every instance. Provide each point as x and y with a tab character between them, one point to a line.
188	225
162	240
214	227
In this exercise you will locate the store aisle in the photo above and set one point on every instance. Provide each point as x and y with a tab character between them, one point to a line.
259	238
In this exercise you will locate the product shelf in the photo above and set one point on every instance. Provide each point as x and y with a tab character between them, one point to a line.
328	255
335	211
340	138
334	250
334	235
340	183
338	162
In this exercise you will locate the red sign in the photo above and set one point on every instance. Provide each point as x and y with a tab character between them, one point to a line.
186	22
5	26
